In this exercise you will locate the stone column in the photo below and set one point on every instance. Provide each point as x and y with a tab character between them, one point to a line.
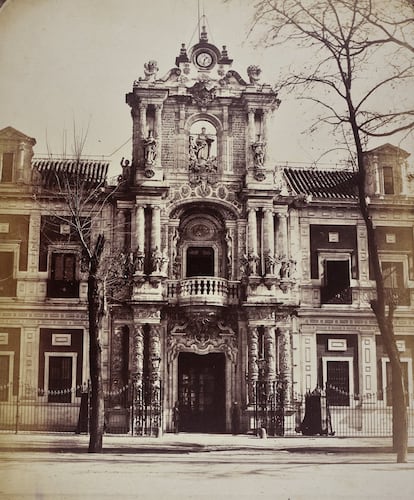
270	353
377	182
282	236
158	131
252	366
20	162
265	130
140	222
155	352
138	352
252	228
156	227
285	361
143	120
251	126
120	233
268	240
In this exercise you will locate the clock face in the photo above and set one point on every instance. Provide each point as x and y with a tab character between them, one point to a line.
204	59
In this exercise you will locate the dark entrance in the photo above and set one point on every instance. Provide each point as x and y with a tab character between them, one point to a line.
201	387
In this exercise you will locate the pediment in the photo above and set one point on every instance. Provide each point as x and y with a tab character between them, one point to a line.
10	133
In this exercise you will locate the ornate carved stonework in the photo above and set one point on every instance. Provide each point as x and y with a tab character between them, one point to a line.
201	94
202	334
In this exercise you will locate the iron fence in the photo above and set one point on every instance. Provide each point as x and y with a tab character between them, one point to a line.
137	409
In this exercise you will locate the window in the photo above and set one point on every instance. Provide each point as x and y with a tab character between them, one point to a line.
336	289
7	167
388	180
200	261
60	375
406	366
8	284
338	378
393	275
4	377
63	282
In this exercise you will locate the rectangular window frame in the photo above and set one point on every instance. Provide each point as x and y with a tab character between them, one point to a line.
57	354
52	282
10	355
410	389
350	361
388	181
10	178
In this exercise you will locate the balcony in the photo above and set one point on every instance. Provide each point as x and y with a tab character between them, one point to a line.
62	289
203	290
330	295
400	296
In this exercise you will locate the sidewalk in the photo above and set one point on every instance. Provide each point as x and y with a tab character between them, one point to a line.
190	443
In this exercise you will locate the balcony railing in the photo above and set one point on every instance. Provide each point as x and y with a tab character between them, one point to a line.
203	290
400	296
334	296
62	289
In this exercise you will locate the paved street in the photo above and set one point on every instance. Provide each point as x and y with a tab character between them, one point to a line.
195	467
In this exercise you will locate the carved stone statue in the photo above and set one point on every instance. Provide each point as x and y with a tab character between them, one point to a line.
269	263
285	269
164	264
126	170
150	71
203	145
259	151
253	263
139	261
150	149
156	260
253	72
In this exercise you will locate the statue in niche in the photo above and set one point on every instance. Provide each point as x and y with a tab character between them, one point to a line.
203	144
150	149
259	151
244	265
156	260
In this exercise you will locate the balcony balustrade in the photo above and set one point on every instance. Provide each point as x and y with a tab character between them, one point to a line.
203	290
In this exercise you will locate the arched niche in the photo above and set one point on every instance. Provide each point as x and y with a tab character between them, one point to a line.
202	247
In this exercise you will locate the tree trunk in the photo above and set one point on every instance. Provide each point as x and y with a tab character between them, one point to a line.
384	321
97	416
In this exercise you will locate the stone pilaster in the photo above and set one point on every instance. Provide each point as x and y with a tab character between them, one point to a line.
156	228
140	227
268	241
282	235
252	228
158	131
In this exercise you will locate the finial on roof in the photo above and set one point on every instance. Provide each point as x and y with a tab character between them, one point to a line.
183	57
203	34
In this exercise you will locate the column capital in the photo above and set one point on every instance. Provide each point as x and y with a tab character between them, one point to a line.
155	207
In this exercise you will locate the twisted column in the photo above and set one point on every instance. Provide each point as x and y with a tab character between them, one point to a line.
252	366
270	353
285	361
138	353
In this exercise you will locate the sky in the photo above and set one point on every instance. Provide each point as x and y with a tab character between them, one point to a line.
66	62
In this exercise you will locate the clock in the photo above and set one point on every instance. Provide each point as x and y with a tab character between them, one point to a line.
204	60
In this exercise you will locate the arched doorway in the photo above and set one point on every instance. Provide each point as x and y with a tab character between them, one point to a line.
201	391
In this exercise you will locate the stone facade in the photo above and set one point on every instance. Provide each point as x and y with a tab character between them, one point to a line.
241	272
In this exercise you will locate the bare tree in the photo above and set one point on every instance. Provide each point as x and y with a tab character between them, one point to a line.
80	187
358	54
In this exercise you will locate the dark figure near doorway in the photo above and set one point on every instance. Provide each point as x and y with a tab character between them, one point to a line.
235	418
176	417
